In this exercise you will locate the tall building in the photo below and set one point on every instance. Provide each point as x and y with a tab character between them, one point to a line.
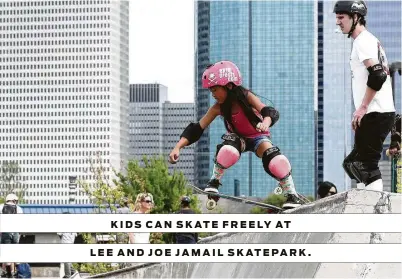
156	125
146	119
335	106
176	117
63	92
276	56
384	21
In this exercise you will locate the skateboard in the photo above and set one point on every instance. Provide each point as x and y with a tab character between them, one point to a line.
214	197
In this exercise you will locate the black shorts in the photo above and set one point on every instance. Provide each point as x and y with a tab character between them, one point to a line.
370	136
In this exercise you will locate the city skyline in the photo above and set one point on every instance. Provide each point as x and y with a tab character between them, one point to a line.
70	73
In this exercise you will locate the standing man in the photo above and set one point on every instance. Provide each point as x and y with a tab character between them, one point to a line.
372	95
184	237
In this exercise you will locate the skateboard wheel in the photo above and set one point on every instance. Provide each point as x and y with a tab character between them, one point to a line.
211	204
278	190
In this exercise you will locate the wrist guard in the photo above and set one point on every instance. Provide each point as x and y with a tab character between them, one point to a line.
270	112
192	133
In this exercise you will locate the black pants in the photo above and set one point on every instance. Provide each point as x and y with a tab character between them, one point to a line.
369	140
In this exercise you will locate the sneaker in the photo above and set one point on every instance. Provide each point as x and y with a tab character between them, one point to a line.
292	201
213	185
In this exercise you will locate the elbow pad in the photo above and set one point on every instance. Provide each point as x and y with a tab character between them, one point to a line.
377	77
270	112
192	133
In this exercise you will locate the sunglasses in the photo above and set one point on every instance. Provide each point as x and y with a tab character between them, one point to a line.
147	201
331	193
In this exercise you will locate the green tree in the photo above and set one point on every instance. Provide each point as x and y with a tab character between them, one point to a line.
105	194
276	200
310	198
273	199
11	180
152	176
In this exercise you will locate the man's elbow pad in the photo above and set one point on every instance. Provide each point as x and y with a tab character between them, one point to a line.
272	113
377	77
192	133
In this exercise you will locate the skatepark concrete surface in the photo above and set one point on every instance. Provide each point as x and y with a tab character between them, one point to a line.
353	201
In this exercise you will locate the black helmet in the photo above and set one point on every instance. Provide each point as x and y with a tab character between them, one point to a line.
185	199
351	7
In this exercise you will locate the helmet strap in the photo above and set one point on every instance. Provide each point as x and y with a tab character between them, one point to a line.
353	24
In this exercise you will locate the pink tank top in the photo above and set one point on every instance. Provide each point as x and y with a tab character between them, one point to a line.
244	127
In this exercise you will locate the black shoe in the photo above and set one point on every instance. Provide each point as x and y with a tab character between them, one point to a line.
292	201
213	185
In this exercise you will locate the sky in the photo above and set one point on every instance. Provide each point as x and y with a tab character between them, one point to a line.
162	46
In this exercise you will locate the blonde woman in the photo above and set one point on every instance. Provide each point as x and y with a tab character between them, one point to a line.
143	205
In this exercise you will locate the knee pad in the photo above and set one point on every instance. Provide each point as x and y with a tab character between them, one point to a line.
347	162
276	164
228	152
361	173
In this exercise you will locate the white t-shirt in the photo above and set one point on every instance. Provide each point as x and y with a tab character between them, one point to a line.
367	46
141	237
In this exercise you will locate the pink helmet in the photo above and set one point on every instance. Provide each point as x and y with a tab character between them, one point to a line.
221	73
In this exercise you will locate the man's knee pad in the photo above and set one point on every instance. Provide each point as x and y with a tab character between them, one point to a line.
363	174
276	164
228	153
346	163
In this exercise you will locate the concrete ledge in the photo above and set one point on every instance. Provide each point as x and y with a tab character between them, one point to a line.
351	202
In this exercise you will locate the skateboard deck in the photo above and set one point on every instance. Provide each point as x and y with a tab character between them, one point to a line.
211	202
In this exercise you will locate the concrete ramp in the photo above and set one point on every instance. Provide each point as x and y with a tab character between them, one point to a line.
354	201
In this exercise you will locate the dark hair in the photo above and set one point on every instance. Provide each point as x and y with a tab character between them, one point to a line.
324	187
185	204
360	20
239	94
